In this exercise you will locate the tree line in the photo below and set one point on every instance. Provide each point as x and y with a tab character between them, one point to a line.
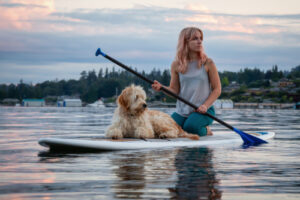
93	85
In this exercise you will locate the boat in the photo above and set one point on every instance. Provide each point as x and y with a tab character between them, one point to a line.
97	104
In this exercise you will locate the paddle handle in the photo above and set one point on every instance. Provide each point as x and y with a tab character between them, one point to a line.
127	68
162	88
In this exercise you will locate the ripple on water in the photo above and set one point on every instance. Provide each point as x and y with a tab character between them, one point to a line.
27	170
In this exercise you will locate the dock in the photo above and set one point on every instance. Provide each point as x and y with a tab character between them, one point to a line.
265	105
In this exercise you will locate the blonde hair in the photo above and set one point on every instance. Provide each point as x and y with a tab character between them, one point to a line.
182	49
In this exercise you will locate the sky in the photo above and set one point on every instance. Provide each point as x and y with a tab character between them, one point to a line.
56	39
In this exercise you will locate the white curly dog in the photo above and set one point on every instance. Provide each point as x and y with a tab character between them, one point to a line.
132	119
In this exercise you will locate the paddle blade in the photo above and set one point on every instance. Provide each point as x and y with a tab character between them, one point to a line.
249	140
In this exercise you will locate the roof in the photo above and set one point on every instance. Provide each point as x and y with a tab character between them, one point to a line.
36	100
75	100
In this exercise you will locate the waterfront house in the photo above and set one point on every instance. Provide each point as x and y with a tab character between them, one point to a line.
231	87
10	101
223	103
285	83
255	91
70	103
33	102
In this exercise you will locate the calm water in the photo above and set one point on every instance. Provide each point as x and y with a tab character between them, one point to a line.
28	171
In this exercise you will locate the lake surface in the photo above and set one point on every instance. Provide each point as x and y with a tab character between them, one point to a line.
29	171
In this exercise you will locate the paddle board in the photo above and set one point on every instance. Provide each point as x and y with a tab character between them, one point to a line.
103	144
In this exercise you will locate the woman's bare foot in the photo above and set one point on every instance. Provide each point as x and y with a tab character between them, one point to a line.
209	132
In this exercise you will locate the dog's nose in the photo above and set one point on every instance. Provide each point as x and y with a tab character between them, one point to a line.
145	105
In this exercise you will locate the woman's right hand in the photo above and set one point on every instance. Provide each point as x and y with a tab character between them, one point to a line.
156	86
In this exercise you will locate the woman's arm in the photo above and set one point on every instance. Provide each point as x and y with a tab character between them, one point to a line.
174	82
215	83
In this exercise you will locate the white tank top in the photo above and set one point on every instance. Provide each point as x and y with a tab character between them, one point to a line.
194	87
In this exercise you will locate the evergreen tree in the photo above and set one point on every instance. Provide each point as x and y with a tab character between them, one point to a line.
92	86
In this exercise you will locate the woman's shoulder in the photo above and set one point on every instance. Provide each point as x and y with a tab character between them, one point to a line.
209	61
175	63
174	66
209	65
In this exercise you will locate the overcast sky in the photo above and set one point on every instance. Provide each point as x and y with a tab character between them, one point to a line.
56	39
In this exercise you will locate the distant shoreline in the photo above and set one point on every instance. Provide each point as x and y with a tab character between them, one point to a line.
238	105
159	104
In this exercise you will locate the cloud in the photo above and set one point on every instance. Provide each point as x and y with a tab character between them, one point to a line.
142	20
158	20
17	5
33	33
18	13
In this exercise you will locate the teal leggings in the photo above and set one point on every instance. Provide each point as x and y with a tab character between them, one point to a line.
196	122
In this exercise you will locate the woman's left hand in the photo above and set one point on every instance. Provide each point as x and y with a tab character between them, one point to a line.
202	109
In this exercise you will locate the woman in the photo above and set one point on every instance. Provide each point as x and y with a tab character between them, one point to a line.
194	77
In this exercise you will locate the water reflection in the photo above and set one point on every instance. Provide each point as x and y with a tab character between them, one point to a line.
130	171
196	175
172	174
268	171
55	157
144	175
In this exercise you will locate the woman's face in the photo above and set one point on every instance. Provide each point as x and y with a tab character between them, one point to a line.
195	42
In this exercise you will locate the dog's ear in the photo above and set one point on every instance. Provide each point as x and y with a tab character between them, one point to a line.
122	101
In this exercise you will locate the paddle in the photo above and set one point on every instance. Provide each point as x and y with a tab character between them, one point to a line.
249	140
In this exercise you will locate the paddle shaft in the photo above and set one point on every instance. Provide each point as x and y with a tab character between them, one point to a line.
165	90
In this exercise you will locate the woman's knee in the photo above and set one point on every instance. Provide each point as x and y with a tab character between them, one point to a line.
195	129
196	123
193	124
190	127
178	119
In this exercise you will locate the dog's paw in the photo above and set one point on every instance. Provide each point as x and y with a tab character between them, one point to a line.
162	136
115	137
143	133
114	133
168	134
